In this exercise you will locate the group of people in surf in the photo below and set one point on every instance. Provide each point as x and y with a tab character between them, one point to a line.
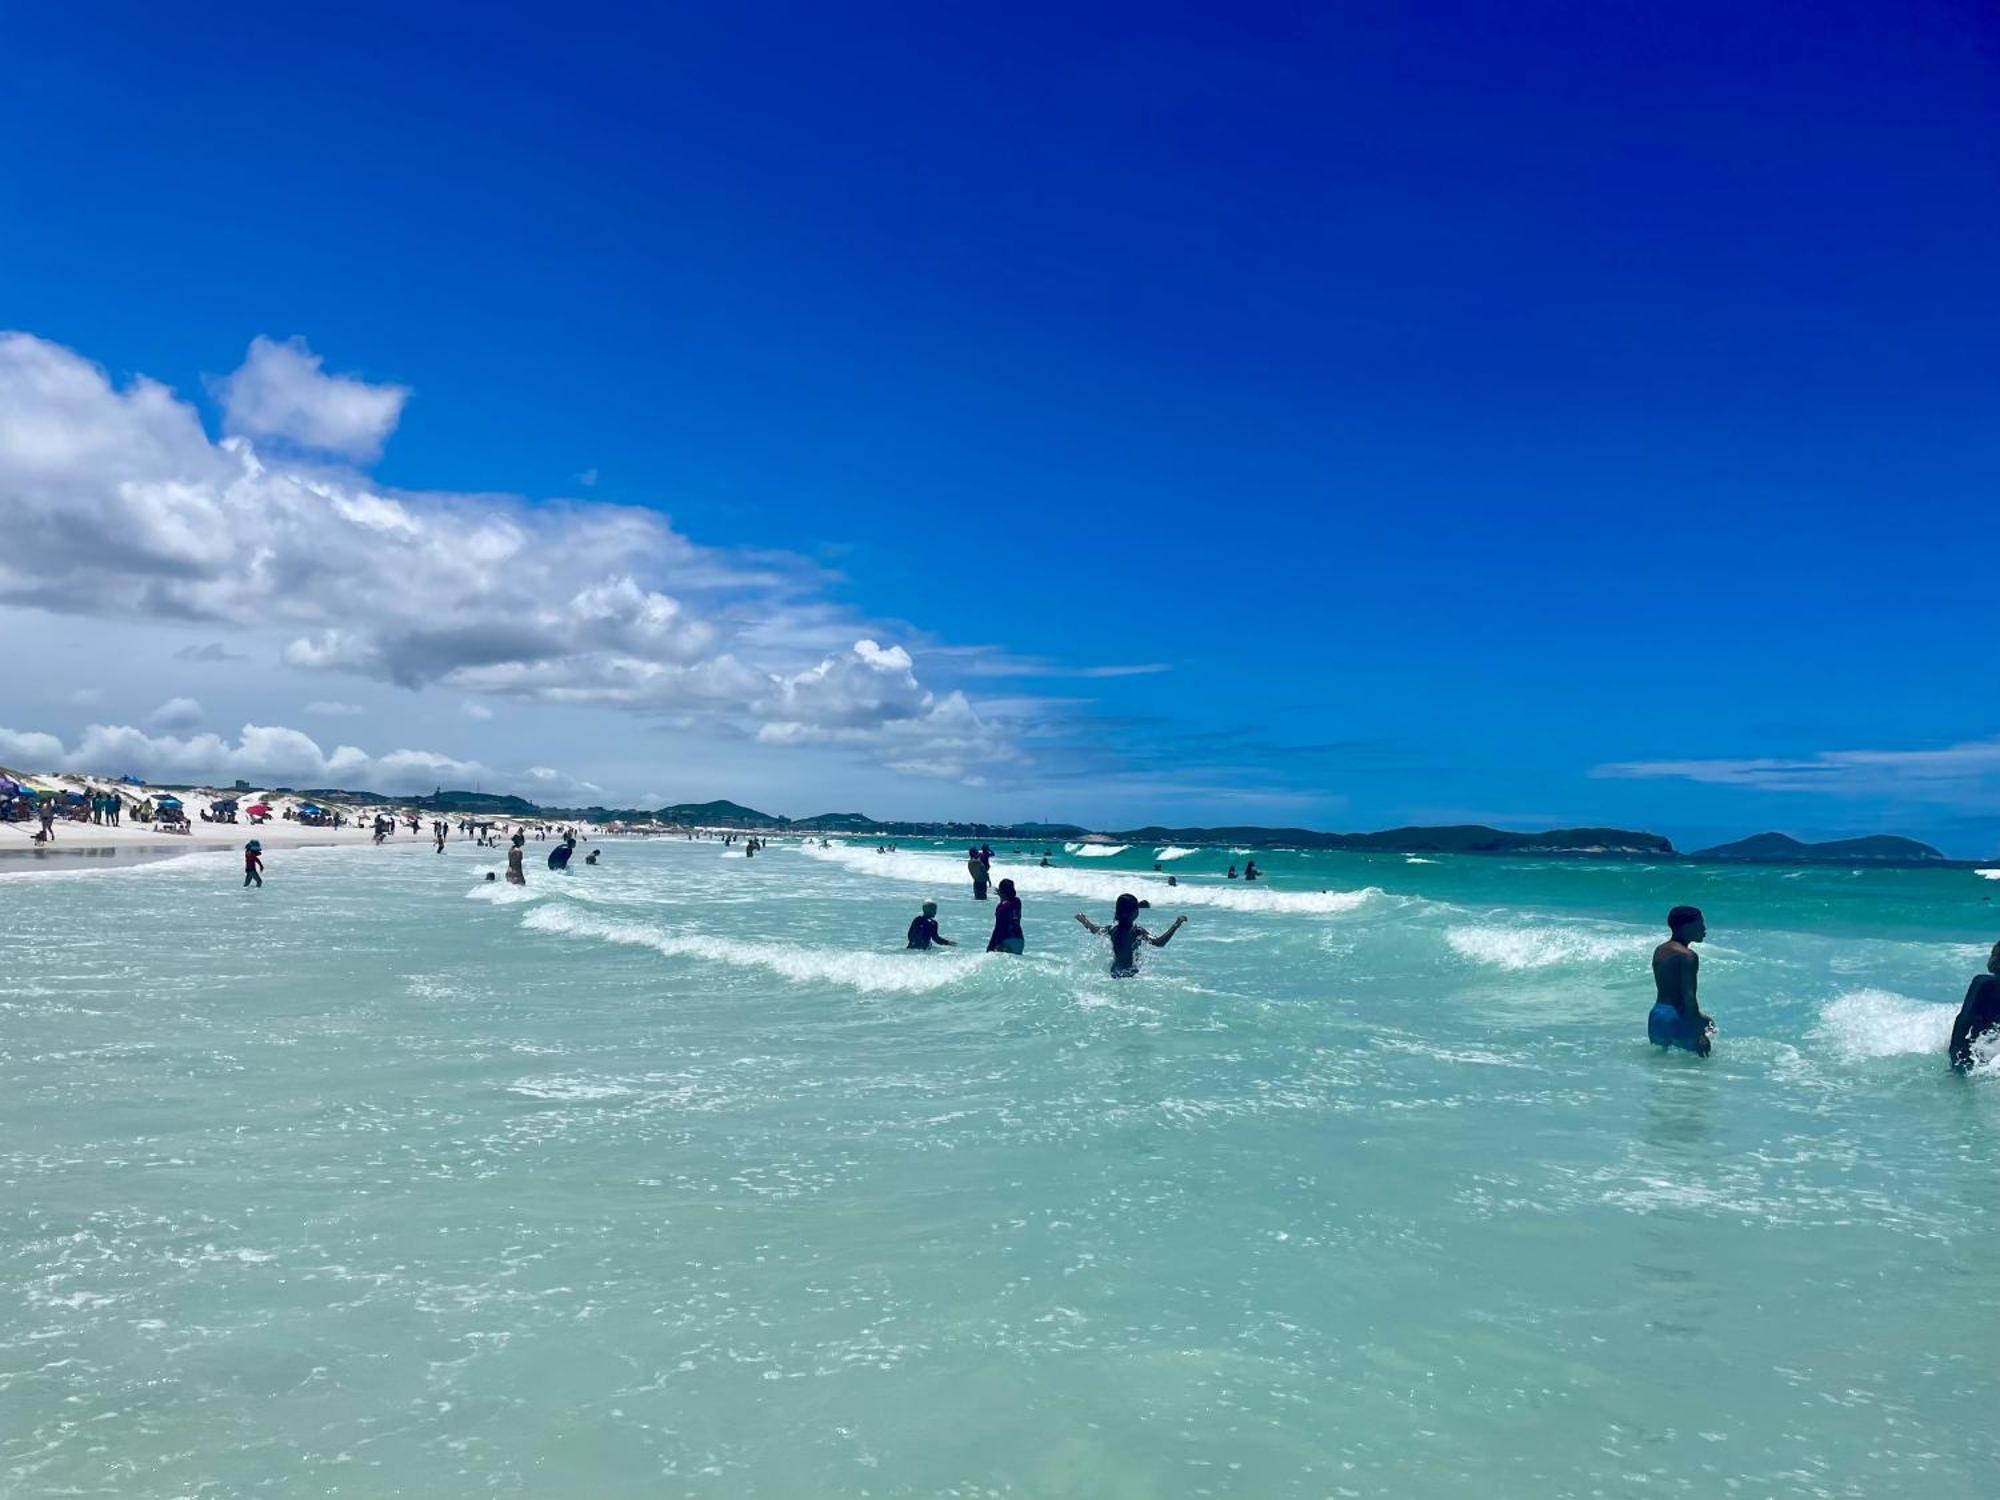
1124	930
1678	1021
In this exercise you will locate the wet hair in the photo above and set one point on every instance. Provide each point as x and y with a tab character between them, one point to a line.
930	908
1007	889
1128	908
1683	917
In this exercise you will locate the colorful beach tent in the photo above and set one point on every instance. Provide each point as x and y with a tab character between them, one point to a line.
258	810
309	809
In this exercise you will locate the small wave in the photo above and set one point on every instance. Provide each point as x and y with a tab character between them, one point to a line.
940	871
1095	851
1862	1024
1417	859
499	893
1987	874
1533	947
567	1090
1172	851
873	973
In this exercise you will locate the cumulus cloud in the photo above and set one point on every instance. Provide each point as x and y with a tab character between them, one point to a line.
31	750
1945	774
268	753
120	505
280	391
176	713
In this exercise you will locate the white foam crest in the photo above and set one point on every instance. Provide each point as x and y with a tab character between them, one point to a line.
947	872
1095	851
1987	874
1862	1024
1528	946
569	1090
1172	851
873	973
499	893
1417	859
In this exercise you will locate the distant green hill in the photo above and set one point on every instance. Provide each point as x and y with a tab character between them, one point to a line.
719	814
1782	848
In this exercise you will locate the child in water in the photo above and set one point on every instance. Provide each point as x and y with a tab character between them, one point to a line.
1126	935
253	864
1676	1019
924	930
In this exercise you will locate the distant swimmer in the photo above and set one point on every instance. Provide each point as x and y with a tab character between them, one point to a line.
559	856
1045	862
1251	872
924	930
591	858
1232	872
1173	880
1980	1014
515	874
1007	935
489	874
1676	1019
980	868
253	864
1126	935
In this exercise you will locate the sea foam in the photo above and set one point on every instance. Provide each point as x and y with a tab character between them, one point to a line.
1862	1024
1095	851
1172	851
1516	948
943	872
873	973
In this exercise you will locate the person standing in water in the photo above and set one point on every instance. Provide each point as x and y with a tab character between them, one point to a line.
560	855
515	874
1979	1015
1126	935
924	930
1007	935
980	871
253	865
1676	1019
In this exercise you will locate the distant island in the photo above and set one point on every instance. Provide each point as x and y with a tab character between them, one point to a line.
1783	849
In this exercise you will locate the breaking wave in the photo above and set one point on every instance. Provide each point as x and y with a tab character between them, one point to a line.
872	973
1172	851
941	871
1527	947
1095	851
1861	1024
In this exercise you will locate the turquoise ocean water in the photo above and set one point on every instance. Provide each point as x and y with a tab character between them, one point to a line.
676	1177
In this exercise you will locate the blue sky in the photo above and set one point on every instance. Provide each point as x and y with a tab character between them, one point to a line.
1528	413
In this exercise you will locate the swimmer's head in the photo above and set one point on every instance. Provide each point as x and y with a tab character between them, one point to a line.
1128	907
1686	924
1007	890
930	908
489	875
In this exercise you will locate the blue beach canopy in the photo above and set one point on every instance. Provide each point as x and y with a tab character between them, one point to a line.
310	807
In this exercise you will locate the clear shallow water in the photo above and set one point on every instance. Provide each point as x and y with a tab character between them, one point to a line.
675	1177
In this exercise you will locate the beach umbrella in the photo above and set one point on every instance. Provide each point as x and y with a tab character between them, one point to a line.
259	809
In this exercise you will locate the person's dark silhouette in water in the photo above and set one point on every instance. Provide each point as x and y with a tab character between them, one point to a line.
1232	873
1126	935
1979	1015
924	930
1251	872
1676	1019
1007	935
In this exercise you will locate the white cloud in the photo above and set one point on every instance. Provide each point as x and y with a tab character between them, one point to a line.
120	506
281	392
31	751
176	713
329	709
272	754
1945	774
475	710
